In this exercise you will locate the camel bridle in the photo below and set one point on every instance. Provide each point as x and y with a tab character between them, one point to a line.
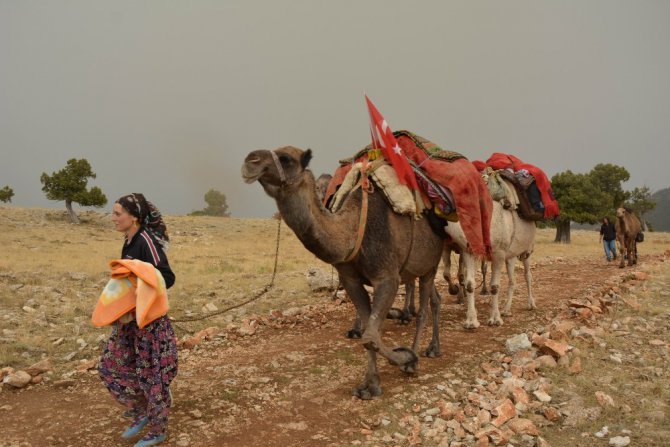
285	181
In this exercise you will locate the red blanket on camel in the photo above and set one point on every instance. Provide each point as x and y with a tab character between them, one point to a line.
473	202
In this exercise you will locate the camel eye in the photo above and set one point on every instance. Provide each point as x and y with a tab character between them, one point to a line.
284	159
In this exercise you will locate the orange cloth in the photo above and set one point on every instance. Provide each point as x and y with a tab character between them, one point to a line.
134	285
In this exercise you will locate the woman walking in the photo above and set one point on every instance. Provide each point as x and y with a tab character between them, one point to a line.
138	364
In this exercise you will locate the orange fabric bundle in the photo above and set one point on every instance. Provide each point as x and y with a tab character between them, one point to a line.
134	285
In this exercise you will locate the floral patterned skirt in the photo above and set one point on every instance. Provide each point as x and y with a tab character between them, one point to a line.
137	366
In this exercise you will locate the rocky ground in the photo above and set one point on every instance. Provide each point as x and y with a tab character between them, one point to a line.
589	367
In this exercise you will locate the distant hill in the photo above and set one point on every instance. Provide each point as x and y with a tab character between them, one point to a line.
659	217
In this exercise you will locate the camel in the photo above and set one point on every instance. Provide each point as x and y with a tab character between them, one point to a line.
629	227
393	249
511	237
409	310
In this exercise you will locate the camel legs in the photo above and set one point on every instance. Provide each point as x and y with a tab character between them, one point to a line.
529	284
468	260
433	349
372	318
485	290
507	311
496	270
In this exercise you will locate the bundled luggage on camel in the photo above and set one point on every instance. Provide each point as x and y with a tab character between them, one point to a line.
451	187
532	196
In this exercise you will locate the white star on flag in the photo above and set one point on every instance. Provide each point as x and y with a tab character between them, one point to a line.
383	138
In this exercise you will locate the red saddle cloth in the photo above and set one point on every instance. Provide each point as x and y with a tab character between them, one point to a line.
473	201
505	161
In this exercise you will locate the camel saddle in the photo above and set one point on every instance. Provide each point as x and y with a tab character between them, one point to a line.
527	194
452	174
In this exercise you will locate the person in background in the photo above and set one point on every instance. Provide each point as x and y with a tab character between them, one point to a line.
138	365
608	238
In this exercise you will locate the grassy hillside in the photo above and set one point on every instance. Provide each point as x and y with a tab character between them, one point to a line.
52	272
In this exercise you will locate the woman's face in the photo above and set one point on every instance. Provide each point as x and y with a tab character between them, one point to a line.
122	219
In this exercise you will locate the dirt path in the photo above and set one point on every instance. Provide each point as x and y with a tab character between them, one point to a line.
290	383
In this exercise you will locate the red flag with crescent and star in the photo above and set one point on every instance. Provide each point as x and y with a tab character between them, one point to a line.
382	138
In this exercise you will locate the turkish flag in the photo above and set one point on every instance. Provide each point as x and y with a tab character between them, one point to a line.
382	138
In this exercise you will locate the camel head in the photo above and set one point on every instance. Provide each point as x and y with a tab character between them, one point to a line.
620	212
281	168
322	185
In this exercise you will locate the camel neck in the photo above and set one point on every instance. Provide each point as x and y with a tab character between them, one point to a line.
329	236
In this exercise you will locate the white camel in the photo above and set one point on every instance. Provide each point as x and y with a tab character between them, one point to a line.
511	237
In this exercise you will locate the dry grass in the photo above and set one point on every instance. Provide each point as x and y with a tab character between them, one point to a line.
59	269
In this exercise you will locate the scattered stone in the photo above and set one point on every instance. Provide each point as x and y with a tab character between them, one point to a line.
517	343
86	365
576	366
40	367
17	379
604	400
248	327
619	441
523	426
602	432
318	279
545	361
209	308
503	412
542	396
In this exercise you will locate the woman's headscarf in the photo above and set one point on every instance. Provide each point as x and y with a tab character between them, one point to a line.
148	215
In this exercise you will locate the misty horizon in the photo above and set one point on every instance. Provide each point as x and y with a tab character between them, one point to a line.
168	98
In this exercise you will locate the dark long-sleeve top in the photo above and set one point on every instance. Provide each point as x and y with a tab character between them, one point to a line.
145	248
608	231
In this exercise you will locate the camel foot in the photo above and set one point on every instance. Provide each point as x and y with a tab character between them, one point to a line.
353	334
408	361
532	306
506	313
493	321
471	324
404	317
395	314
484	291
367	390
432	351
454	289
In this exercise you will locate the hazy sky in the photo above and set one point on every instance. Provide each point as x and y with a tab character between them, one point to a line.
167	97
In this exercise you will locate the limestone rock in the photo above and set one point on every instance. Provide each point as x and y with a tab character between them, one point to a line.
40	367
619	441
17	379
517	343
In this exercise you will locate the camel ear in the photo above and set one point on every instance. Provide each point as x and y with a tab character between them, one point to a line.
305	158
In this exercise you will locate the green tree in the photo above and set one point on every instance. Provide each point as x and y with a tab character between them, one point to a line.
216	205
69	184
608	178
580	200
640	202
6	194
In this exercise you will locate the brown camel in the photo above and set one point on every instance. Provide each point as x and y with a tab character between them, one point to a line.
628	226
394	248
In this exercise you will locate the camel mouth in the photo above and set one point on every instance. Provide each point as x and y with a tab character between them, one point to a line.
249	177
